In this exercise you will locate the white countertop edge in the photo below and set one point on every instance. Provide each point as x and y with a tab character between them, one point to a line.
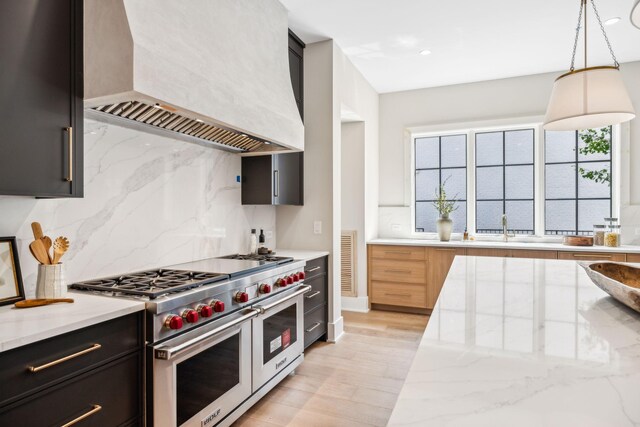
39	318
301	254
484	244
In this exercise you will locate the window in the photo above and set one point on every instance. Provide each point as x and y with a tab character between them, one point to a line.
440	160
505	181
573	204
536	178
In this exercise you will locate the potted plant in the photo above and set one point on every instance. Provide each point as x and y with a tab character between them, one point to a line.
445	207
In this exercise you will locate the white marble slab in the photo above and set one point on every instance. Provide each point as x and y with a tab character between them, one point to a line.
28	325
149	202
484	244
516	342
301	254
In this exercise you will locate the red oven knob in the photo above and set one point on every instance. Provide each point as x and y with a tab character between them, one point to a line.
289	280
217	305
295	277
205	310
242	297
265	289
301	275
191	316
173	322
281	283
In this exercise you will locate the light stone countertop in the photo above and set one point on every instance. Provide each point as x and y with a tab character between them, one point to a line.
485	244
523	342
28	325
301	254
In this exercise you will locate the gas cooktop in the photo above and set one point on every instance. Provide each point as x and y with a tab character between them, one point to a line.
258	257
152	283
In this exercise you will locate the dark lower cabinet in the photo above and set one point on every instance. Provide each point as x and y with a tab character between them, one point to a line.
41	91
102	385
316	300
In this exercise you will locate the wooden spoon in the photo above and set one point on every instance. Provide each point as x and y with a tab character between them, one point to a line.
60	246
39	235
39	252
28	303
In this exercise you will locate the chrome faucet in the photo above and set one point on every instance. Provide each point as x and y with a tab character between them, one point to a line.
505	230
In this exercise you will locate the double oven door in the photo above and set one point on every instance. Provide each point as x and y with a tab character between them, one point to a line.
202	376
278	334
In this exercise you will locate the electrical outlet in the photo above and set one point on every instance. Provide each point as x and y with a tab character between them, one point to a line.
317	227
268	234
396	227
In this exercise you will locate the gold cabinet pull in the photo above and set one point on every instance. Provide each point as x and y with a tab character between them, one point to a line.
445	250
315	294
94	347
397	295
397	252
592	256
398	271
313	327
94	409
69	177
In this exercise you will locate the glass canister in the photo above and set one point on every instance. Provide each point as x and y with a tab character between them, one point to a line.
599	231
612	236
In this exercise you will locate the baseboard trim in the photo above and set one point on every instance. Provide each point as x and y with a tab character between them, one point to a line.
335	330
357	304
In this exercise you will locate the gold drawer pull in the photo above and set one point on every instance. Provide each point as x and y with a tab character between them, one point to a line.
398	271
315	294
397	252
313	327
592	256
313	269
445	250
94	409
64	359
397	295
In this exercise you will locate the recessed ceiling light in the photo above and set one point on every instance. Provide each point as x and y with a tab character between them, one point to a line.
612	21
425	52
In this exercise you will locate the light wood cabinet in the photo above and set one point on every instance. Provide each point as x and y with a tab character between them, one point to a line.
392	270
440	260
502	253
399	294
405	253
592	256
536	254
633	257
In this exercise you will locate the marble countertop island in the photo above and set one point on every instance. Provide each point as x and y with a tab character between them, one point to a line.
518	342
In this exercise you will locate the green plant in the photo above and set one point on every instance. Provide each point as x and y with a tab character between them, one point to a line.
443	205
596	141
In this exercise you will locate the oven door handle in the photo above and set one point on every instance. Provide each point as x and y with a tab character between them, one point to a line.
167	352
264	308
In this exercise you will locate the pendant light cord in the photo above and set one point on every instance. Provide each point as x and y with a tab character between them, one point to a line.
604	33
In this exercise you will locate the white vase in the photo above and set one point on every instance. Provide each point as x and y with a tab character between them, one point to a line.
50	282
445	226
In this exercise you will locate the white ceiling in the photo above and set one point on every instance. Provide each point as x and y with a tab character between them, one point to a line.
469	40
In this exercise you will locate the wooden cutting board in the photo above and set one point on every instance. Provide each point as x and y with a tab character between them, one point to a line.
577	241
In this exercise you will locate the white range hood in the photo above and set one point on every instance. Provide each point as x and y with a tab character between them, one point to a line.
214	72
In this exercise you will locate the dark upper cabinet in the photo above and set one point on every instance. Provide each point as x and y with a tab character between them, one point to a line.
41	90
278	179
273	180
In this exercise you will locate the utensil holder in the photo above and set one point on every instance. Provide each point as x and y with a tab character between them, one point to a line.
50	282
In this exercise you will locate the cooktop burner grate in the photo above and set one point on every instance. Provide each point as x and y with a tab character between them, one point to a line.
257	257
152	283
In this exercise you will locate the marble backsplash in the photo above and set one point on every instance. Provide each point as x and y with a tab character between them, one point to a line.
149	201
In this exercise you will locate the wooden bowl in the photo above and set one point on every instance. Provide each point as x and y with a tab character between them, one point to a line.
577	241
621	281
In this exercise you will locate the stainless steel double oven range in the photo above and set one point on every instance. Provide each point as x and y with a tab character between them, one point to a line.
220	334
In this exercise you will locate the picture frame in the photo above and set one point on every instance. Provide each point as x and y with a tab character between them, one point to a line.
11	286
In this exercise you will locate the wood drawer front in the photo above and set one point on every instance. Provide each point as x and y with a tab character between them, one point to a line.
399	271
535	254
116	338
318	293
592	256
502	253
405	253
116	387
315	325
315	267
633	257
404	295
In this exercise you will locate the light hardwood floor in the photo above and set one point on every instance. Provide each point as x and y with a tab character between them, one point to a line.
354	382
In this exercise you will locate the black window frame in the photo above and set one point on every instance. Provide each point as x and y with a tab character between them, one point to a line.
439	169
576	163
504	165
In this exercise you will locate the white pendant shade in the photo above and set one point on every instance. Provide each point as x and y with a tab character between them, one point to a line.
635	14
588	98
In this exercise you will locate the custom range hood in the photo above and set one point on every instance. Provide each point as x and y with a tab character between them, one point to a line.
214	72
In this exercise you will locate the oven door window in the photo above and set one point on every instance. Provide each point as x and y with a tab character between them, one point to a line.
206	376
278	332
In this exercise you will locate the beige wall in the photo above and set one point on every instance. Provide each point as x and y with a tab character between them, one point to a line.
491	100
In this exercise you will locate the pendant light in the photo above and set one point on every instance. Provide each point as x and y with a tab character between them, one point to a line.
589	97
635	14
